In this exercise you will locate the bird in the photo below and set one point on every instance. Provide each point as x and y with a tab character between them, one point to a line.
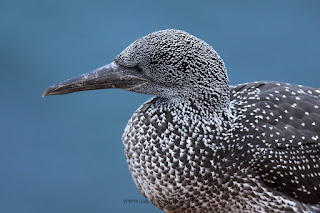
203	145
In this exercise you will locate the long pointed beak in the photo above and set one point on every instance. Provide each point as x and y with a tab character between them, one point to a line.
108	76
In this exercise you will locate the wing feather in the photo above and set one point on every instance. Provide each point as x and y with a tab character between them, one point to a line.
283	123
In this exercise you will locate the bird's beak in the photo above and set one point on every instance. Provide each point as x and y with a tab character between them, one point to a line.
108	76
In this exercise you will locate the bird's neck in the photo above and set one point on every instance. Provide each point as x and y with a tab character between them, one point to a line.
211	111
205	103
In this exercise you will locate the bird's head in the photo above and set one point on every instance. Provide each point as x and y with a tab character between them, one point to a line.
169	63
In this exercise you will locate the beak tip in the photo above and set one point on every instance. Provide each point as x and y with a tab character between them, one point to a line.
47	92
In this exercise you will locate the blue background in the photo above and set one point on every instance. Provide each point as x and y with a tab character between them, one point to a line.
64	153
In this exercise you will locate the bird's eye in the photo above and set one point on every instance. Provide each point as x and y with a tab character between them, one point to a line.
138	68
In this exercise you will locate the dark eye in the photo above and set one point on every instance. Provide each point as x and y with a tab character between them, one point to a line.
138	68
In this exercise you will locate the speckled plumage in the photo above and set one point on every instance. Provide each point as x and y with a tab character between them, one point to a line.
262	159
255	152
202	146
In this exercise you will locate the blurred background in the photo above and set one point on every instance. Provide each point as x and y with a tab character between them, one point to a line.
64	153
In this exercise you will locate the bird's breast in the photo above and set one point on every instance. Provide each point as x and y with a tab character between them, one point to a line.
174	157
